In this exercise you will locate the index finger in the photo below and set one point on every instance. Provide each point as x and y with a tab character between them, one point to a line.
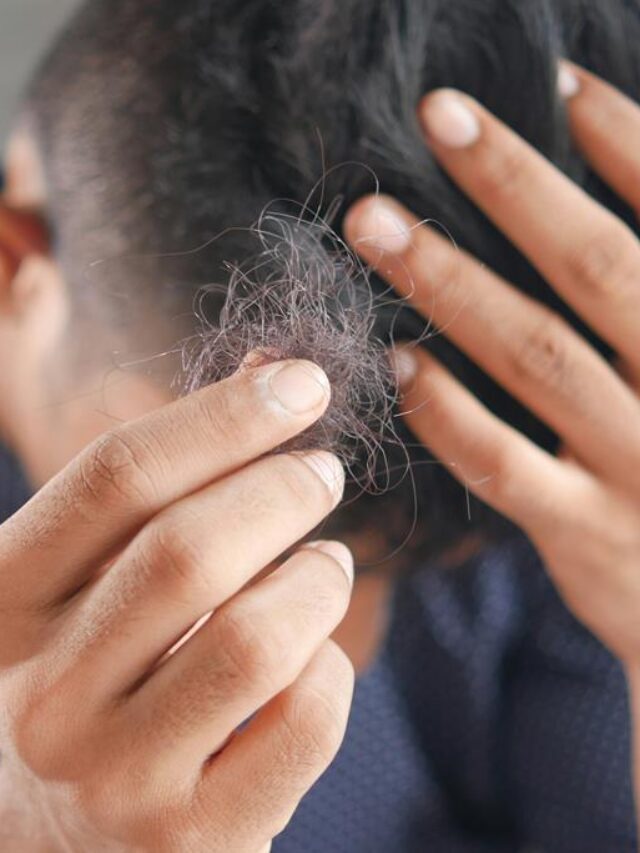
51	547
589	256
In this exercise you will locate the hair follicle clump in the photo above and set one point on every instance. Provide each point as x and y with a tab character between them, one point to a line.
304	296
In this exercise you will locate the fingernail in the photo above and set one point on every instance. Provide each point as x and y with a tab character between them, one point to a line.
380	226
338	552
405	365
449	120
568	83
299	387
329	469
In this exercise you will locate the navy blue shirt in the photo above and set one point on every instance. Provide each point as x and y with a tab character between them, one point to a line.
491	721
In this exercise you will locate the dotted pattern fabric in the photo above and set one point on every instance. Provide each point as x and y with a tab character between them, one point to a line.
492	722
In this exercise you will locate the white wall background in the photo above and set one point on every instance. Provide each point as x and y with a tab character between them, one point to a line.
26	27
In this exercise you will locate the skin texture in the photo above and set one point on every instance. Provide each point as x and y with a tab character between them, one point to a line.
581	510
143	501
120	554
317	102
160	481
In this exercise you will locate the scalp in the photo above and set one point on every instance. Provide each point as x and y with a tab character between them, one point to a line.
165	125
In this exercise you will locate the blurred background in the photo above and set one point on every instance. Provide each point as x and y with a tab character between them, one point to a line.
26	26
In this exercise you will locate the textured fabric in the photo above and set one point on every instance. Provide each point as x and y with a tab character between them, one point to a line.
13	490
492	722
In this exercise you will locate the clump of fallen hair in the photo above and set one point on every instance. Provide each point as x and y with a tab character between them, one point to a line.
303	295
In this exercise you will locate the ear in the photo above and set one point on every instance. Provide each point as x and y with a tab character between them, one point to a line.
32	293
24	253
22	235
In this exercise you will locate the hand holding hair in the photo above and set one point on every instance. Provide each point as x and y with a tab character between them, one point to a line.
186	510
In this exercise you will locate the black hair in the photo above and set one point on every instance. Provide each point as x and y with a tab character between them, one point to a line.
165	123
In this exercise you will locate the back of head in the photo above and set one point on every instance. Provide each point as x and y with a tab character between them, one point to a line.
164	124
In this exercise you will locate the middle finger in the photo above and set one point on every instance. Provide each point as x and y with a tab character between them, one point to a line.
255	646
189	560
531	351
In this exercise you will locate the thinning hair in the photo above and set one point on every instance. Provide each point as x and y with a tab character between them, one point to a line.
167	124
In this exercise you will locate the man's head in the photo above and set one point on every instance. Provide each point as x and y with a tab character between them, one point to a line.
155	127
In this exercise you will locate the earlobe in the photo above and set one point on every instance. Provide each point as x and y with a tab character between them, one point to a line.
30	285
34	309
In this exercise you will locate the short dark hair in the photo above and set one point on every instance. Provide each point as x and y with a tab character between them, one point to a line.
163	123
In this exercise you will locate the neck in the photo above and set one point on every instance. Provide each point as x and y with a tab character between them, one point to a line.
48	431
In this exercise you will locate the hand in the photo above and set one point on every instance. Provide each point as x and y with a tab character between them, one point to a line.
112	737
581	510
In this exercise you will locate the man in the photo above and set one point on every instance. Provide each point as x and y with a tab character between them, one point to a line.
483	706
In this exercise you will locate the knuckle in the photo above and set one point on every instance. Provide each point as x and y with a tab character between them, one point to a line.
223	416
40	725
328	590
503	171
255	658
154	824
497	485
314	727
115	469
101	804
174	554
231	822
607	265
540	355
122	792
94	804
